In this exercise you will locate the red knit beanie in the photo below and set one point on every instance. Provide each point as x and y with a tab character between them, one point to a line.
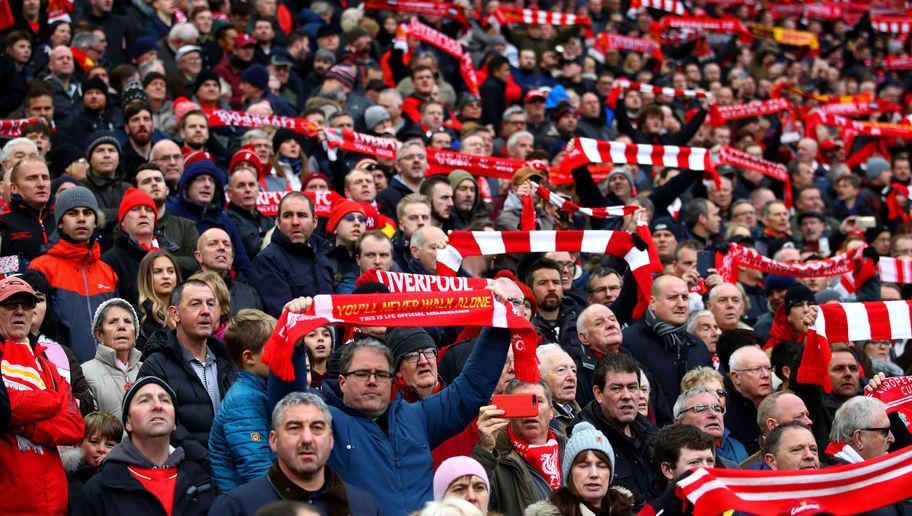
132	198
248	156
340	209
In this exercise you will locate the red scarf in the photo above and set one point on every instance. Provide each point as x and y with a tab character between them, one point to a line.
405	282
545	458
430	8
745	161
898	63
13	128
722	115
896	393
599	212
782	330
606	41
816	118
536	16
412	309
158	481
361	143
445	161
418	30
224	117
624	84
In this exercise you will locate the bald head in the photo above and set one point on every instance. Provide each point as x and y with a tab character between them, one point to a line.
167	155
61	63
599	330
214	251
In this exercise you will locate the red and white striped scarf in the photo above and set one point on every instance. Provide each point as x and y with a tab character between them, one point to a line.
624	84
891	270
891	24
362	143
491	243
539	17
581	151
745	161
406	282
850	489
669	6
410	309
722	115
426	7
570	207
850	322
418	30
13	128
442	161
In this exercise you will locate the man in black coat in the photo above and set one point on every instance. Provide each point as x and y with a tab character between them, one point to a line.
557	314
194	363
214	253
660	340
493	91
25	227
243	188
614	413
124	483
294	264
291	477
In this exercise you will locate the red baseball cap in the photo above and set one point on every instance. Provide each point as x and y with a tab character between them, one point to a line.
243	40
10	286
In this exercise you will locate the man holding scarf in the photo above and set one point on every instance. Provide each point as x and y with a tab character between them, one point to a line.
660	339
522	461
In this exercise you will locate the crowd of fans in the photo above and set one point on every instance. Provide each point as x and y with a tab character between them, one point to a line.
147	255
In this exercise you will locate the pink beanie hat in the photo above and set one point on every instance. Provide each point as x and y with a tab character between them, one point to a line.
453	468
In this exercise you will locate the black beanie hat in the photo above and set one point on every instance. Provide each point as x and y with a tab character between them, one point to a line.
402	341
796	294
281	135
137	385
205	75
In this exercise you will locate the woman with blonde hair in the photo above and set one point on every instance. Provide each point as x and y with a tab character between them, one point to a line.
158	275
222	299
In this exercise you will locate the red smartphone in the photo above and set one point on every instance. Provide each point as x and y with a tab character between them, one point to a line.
516	405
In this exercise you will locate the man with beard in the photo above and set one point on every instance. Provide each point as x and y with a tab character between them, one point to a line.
180	231
323	60
138	125
556	313
302	441
233	65
791	446
194	131
660	340
437	188
702	408
467	204
214	253
95	115
559	371
614	413
104	178
191	361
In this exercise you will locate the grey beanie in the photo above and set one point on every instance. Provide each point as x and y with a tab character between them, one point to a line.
874	166
625	172
99	138
76	197
585	437
102	308
135	387
374	115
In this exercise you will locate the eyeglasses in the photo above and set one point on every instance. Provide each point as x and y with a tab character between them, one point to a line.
412	358
12	305
170	157
756	370
352	217
517	301
602	290
721	393
883	431
363	375
702	407
413	157
566	265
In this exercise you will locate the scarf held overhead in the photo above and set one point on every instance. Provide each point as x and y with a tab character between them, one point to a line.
849	489
896	393
444	9
411	309
539	17
614	243
449	45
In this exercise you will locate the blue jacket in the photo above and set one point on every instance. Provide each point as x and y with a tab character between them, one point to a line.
211	216
731	448
239	440
286	270
395	465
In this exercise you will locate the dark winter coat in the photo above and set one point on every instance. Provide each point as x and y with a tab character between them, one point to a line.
163	358
252	227
390	196
125	258
286	270
108	192
25	230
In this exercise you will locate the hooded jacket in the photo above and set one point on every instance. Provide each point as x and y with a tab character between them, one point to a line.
212	215
285	270
479	210
108	382
115	491
25	230
81	282
164	358
32	479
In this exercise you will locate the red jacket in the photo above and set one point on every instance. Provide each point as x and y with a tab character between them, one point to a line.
32	480
232	74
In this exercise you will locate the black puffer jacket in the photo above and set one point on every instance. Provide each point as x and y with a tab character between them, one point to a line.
25	230
164	358
252	227
243	296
